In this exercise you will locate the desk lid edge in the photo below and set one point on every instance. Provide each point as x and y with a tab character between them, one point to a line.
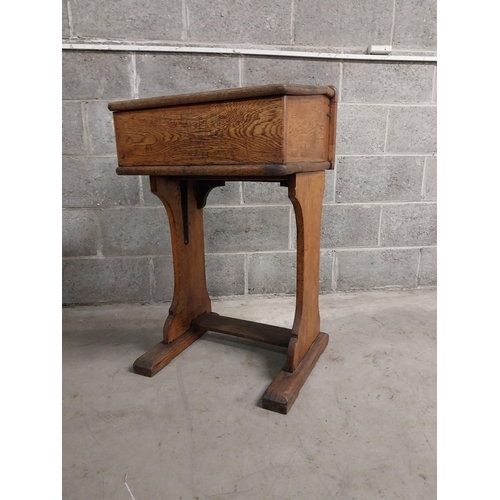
223	95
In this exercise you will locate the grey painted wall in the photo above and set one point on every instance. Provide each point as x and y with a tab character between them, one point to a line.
379	216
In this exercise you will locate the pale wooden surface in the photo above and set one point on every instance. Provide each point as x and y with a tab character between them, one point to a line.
307	128
223	95
190	290
306	193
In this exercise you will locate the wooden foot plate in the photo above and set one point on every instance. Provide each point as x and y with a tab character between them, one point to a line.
284	389
152	361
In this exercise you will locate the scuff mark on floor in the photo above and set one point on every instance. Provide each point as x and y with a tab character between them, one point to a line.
128	489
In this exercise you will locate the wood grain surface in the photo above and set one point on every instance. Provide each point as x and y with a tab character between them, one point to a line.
260	332
159	356
222	95
220	133
285	388
307	121
190	290
306	193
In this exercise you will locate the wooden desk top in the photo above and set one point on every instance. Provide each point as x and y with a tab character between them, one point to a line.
223	95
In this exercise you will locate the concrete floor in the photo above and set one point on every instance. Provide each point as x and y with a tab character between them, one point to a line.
363	426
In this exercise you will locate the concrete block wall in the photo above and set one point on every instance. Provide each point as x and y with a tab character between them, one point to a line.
379	214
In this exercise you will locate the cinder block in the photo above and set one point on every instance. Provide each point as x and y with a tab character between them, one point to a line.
434	94
73	142
165	74
415	25
162	285
225	195
361	129
343	24
100	128
329	180
225	274
430	186
135	231
96	75
65	19
92	182
272	273
362	179
326	271
387	82
412	129
350	226
87	281
366	269
277	272
127	19
258	21
427	273
409	225
268	70
264	193
79	233
246	229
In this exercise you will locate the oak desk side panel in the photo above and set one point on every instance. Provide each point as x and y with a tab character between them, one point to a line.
307	126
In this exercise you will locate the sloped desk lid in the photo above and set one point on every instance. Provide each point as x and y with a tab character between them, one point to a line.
223	95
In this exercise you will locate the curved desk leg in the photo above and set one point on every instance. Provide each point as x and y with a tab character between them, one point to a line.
190	291
306	345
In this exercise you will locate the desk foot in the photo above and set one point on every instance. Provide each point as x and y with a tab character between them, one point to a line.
152	361
284	389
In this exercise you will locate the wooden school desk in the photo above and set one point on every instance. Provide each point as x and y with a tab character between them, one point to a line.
190	143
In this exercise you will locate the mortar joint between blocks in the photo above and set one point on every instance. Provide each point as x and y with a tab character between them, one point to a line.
240	187
70	20
245	271
141	191
422	189
434	82
334	263
134	76
341	80
335	166
379	226
293	21
99	238
386	130
418	267
185	21
393	25
152	281
87	141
